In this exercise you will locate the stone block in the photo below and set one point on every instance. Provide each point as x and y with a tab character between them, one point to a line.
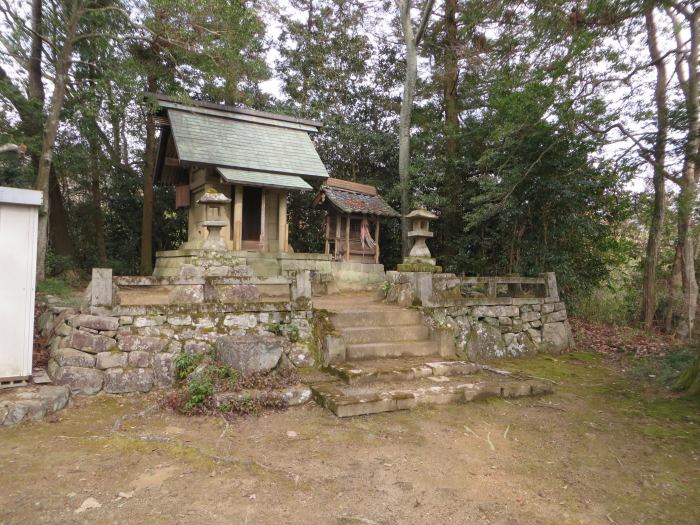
250	353
101	292
559	307
242	321
123	380
296	395
555	317
186	294
332	350
80	380
125	320
484	340
155	320
92	343
196	347
139	359
530	316
95	322
551	285
556	336
301	286
71	357
535	335
300	355
63	330
237	293
496	311
111	360
406	295
180	320
547	308
505	321
163	370
130	343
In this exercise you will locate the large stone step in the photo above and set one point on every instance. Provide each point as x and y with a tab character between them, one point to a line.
388	317
356	352
399	369
353	400
379	334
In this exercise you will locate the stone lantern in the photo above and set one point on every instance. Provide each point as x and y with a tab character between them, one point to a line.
214	219
419	259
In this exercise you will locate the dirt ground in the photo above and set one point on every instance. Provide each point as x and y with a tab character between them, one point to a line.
602	449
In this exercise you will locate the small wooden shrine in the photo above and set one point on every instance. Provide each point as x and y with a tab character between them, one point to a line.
353	212
248	159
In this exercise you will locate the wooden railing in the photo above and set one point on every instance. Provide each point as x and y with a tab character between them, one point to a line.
543	286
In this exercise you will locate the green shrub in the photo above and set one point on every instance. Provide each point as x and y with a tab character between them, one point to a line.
285	329
185	364
198	391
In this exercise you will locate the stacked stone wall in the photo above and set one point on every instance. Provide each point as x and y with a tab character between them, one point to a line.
134	349
496	331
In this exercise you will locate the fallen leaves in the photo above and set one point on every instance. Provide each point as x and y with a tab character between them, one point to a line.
609	339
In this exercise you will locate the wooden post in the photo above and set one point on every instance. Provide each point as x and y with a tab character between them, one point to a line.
262	220
328	233
376	241
336	245
347	238
237	217
282	220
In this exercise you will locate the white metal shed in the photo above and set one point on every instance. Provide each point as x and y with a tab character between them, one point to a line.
19	213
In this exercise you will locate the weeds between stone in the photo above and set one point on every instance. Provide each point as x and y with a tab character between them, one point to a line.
205	386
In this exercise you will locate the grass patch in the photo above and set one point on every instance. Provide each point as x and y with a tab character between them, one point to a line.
54	286
665	369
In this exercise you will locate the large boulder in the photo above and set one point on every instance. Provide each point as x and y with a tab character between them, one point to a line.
123	380
134	343
72	357
556	337
79	380
485	341
163	370
111	360
250	353
95	322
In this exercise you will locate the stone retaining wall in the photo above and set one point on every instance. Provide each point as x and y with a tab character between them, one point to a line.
487	325
133	349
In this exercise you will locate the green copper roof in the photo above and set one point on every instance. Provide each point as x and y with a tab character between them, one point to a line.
267	180
248	145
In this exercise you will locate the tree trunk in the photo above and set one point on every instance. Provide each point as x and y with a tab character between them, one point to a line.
35	86
96	194
673	291
412	40
48	142
61	242
689	180
409	90
659	161
148	168
451	185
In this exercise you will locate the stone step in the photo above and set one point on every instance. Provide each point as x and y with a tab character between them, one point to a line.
264	267
398	369
378	334
354	400
401	349
388	317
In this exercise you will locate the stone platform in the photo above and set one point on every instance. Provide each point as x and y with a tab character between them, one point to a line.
388	385
31	402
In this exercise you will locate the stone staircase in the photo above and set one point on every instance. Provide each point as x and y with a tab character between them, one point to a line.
391	332
393	364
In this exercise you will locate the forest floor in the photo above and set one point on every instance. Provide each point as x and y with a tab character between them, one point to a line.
605	448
